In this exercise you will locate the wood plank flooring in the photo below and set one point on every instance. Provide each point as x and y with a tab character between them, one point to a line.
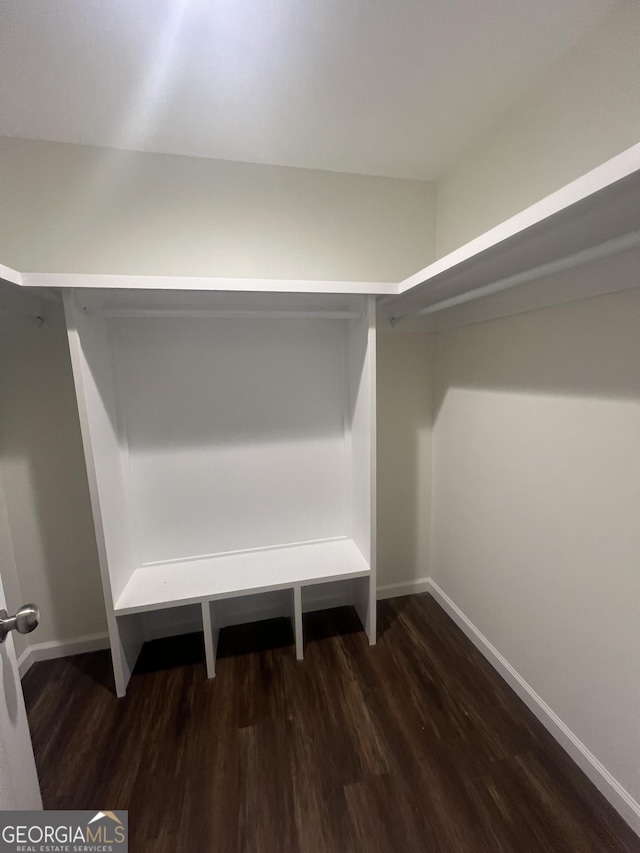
415	744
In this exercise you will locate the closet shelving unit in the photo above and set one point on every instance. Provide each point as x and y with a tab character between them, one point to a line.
230	446
593	217
229	425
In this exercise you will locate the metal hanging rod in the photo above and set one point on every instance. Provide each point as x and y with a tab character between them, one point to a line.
221	313
585	256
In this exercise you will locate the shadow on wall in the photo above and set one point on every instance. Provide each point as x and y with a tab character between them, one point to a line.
589	348
536	503
45	481
184	381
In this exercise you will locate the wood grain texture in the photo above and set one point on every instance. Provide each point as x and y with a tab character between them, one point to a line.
415	744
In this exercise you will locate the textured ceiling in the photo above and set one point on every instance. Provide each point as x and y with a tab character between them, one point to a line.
383	87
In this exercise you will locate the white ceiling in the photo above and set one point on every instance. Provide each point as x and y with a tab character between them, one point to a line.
382	87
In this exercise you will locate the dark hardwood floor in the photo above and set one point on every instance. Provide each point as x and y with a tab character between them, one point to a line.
412	745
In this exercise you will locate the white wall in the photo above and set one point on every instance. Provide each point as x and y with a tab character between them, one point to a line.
536	500
536	441
581	114
404	457
70	208
45	484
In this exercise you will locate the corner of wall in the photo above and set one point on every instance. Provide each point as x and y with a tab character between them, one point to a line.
583	112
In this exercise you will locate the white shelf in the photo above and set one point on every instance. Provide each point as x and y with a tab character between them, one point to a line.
594	216
10	276
203	283
154	587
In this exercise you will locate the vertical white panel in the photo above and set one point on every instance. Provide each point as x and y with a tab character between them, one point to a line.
297	622
362	452
211	629
97	408
126	636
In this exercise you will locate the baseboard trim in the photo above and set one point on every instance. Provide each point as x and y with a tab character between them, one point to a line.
60	649
609	787
395	590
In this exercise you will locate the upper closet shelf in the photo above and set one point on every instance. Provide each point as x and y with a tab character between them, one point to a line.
19	304
595	216
204	283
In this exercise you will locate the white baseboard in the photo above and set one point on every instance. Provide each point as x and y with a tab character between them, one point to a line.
61	649
620	799
614	792
395	590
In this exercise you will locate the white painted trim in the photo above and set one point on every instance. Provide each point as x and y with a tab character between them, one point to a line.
246	573
211	632
395	590
561	229
181	282
609	787
566	262
12	276
408	296
297	622
603	176
61	649
610	275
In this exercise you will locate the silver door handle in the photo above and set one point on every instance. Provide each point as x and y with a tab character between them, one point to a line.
25	621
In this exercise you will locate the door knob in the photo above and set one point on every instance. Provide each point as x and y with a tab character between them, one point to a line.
25	621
